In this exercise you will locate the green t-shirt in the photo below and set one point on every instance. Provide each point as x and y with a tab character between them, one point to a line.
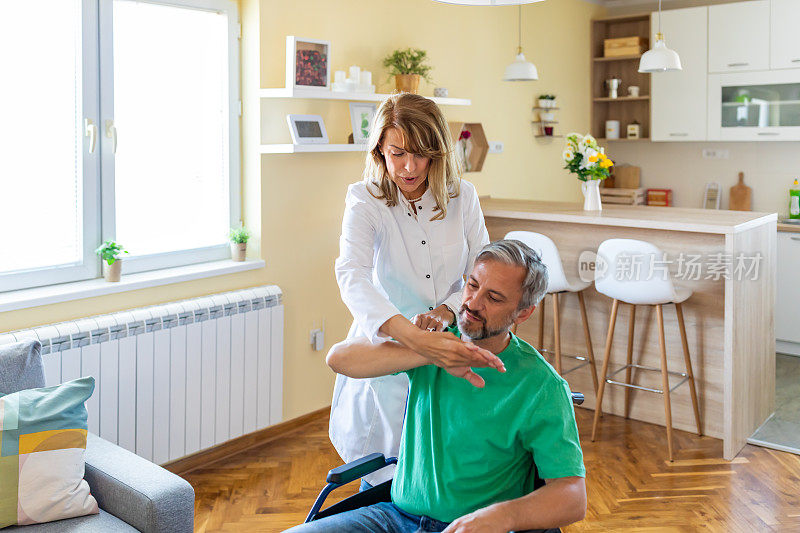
464	448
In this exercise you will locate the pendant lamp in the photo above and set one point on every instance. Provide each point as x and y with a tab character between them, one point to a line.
659	58
521	69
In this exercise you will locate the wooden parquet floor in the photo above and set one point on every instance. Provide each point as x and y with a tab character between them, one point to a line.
631	486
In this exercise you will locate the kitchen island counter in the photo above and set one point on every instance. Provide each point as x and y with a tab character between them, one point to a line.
729	317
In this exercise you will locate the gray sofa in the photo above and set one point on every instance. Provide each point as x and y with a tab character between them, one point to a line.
133	493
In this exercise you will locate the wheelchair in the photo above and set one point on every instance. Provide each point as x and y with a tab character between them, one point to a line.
355	470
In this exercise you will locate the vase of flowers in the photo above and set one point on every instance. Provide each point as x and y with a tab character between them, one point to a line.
588	161
465	148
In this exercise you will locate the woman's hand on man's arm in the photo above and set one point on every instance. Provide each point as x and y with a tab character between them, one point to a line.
437	320
442	349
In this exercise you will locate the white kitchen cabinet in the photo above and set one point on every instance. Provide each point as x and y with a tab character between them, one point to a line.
739	36
787	300
785	34
678	99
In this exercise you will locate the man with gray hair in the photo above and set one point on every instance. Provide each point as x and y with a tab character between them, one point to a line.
473	437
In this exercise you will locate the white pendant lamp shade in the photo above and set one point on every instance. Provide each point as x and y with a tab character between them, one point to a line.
660	58
521	70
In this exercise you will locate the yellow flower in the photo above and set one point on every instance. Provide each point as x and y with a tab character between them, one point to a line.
592	158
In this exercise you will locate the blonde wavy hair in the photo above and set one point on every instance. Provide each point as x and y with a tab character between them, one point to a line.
425	132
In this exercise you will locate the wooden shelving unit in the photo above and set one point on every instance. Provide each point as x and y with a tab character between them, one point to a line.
626	109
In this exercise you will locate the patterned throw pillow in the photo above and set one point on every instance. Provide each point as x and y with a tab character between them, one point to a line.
42	447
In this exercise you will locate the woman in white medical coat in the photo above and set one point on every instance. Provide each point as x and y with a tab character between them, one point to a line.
411	231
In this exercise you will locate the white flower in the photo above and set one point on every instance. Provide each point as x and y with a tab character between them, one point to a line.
587	154
568	155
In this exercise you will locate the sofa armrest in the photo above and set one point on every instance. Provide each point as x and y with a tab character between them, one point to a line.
141	493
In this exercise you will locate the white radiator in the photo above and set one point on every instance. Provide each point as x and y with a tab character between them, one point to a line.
176	378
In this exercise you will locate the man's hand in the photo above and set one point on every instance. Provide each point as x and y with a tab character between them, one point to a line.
445	350
484	520
466	372
437	320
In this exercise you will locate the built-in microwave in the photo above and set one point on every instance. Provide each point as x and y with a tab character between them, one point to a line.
754	106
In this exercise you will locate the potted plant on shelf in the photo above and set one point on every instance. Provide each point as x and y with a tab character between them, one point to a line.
239	237
547	101
408	66
584	158
109	252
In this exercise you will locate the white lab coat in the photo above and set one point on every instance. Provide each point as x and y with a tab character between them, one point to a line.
394	262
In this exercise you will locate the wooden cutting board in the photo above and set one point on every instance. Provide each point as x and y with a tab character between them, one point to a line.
741	196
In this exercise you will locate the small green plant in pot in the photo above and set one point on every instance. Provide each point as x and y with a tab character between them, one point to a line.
239	237
110	252
408	66
547	101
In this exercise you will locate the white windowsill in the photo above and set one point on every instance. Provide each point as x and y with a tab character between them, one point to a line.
51	294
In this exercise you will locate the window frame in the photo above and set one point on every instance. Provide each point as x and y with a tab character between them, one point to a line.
97	199
88	266
143	263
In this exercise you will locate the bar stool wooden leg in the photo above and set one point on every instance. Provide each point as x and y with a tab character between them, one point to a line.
609	340
631	324
556	333
665	378
540	346
689	373
589	349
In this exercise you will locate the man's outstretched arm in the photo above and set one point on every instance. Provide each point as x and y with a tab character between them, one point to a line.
559	503
360	358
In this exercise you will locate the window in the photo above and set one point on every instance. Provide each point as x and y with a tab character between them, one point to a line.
123	125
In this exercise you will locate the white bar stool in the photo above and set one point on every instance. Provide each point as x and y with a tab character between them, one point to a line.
558	283
641	289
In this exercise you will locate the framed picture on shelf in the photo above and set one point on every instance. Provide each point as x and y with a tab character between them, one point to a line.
362	116
307	129
308	64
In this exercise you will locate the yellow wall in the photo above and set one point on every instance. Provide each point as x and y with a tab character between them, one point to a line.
297	200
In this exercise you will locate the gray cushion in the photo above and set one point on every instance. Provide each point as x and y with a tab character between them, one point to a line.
20	367
94	523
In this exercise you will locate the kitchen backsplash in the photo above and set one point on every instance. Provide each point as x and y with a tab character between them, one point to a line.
769	169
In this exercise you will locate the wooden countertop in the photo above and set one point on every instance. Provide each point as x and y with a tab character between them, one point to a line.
789	228
651	217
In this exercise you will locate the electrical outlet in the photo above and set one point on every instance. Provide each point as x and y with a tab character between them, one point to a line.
317	338
495	147
708	153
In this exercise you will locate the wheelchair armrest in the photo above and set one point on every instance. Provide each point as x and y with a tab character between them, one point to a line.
577	398
358	468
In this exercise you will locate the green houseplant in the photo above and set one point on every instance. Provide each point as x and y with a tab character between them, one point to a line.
547	101
110	252
239	237
408	66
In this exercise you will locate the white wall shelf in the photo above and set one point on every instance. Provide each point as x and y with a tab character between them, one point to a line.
305	148
283	92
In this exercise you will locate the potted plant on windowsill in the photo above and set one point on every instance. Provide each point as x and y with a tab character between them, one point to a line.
109	252
408	66
239	237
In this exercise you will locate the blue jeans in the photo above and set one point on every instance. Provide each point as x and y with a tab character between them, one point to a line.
381	517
